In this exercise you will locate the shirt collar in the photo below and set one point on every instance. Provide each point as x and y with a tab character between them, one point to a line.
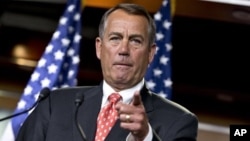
126	94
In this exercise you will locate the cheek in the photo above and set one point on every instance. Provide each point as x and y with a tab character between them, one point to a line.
142	59
106	55
144	54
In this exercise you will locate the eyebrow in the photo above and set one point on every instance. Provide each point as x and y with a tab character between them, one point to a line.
130	36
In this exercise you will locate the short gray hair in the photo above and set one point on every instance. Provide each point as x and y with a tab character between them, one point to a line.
130	9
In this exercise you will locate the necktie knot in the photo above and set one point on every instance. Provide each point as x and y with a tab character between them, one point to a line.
114	98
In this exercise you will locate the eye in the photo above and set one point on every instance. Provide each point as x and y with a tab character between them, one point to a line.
136	42
115	40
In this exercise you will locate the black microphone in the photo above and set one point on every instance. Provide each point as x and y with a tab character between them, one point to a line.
43	94
78	101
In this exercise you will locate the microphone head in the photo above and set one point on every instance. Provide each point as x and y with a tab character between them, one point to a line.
44	93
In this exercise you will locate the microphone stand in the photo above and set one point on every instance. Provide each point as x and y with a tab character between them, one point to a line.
78	102
43	94
17	114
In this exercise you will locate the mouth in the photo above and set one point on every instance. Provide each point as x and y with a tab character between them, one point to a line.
123	65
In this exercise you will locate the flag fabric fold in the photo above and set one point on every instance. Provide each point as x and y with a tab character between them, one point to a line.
57	67
158	76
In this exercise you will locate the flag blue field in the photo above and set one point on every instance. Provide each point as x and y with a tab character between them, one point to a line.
158	76
57	67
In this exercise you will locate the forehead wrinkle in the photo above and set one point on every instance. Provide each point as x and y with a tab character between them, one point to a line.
115	33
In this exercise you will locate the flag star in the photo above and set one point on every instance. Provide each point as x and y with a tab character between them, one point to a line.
166	24
49	48
77	38
150	84
157	72
42	62
36	96
56	35
165	2
21	104
52	68
35	76
168	46
158	16
58	55
162	94
168	83
77	17
71	73
45	82
71	52
28	90
63	20
65	86
164	60
159	36
157	49
54	88
71	8
76	59
65	42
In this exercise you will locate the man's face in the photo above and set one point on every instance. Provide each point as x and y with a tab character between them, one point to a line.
124	51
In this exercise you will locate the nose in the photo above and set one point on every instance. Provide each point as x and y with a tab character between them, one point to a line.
124	48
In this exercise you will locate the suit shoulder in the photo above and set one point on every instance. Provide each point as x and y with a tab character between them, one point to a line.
73	89
66	96
70	91
170	106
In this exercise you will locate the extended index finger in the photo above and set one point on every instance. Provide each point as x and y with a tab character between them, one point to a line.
137	99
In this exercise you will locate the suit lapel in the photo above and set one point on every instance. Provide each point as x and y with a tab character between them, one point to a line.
89	109
146	99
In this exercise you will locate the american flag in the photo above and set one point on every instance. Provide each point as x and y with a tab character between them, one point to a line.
57	66
158	76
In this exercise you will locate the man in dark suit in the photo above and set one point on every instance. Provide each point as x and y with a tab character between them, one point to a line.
125	47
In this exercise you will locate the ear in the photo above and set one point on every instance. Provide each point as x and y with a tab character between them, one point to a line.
152	53
98	47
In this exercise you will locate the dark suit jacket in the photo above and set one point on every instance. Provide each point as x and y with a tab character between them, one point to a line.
54	118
